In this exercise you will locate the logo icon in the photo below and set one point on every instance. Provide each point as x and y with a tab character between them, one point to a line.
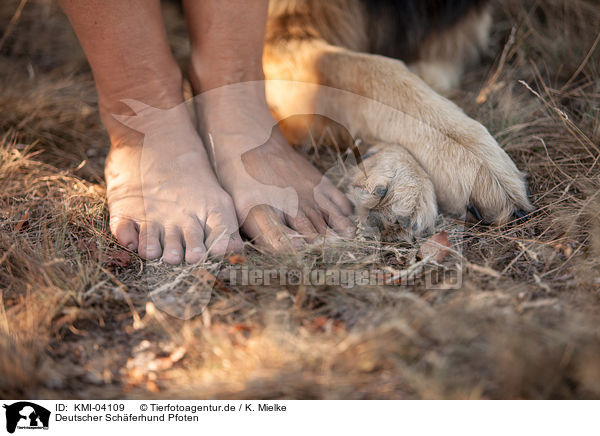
26	415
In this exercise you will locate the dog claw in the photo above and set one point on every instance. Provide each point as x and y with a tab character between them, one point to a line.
381	190
475	212
403	221
521	215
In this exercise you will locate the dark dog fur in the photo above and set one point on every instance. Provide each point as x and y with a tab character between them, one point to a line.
397	28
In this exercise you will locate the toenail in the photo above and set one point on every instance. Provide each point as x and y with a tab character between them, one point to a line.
197	249
521	215
367	155
131	246
473	209
403	221
380	191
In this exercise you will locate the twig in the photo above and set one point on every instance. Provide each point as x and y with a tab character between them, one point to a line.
13	22
489	86
583	63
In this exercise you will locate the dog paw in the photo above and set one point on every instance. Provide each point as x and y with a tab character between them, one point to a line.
497	191
391	193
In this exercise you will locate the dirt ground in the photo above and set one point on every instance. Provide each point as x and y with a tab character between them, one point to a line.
76	320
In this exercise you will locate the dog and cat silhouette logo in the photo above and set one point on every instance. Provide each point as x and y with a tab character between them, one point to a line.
26	415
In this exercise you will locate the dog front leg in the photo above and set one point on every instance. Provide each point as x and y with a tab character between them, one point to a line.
379	100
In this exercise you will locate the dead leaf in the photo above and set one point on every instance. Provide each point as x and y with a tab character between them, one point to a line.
239	327
23	222
236	259
436	247
319	322
117	258
88	246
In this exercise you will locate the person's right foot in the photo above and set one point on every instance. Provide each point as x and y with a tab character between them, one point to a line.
163	196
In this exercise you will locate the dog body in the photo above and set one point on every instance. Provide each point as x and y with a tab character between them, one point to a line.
378	69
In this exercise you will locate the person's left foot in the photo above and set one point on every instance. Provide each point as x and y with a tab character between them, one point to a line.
278	195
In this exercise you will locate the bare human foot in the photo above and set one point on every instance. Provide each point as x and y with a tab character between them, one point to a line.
280	198
278	195
163	196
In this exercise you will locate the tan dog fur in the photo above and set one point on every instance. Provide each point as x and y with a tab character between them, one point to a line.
425	138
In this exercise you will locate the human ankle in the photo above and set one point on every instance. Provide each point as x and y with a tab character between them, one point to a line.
160	93
210	71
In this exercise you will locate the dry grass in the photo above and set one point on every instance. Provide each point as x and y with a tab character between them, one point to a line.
74	314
